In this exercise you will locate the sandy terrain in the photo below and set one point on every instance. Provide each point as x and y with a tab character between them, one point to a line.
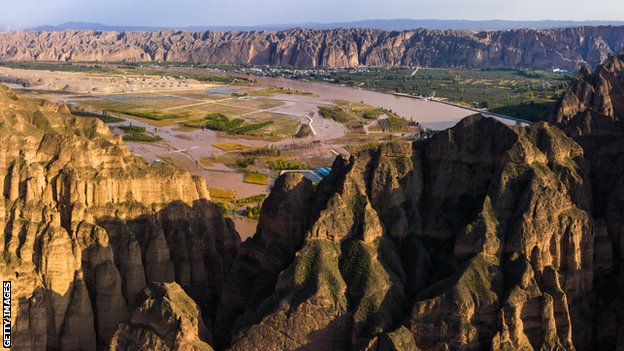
90	83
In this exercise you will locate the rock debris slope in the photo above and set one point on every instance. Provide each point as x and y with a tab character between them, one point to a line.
543	48
86	226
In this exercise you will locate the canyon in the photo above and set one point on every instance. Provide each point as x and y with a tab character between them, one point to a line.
483	236
567	48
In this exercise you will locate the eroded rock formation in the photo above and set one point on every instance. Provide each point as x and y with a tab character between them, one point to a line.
165	318
592	112
86	226
481	237
544	48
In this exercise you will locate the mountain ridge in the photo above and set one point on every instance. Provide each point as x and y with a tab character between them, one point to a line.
543	49
398	24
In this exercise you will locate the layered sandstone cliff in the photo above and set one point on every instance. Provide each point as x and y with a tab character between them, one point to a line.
479	238
544	48
86	226
164	318
592	112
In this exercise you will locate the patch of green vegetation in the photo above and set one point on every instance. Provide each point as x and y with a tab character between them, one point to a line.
222	193
221	122
62	67
136	133
103	117
222	197
168	69
279	90
526	109
216	121
141	137
133	129
263	151
246	162
336	113
393	124
373	113
304	131
251	199
282	164
255	178
253	212
245	129
153	115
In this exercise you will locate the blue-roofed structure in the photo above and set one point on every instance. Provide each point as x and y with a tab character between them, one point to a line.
323	171
315	175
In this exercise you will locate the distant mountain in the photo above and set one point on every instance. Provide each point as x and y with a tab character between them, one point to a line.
104	27
567	48
390	24
6	28
406	24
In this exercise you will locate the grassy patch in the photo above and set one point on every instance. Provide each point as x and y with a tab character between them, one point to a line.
153	115
133	129
255	178
222	197
136	133
103	117
222	193
263	151
231	147
206	161
145	138
335	113
282	164
251	199
221	122
278	90
304	131
253	212
60	67
216	121
393	123
373	113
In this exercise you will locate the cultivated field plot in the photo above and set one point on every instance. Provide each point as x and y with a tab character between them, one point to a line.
177	108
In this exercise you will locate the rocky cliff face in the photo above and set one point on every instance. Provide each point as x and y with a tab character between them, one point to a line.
86	226
479	238
164	318
565	48
592	112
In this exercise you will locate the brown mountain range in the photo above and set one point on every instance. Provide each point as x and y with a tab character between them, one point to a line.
543	48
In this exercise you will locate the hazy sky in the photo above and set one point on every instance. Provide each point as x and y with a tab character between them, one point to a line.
246	12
